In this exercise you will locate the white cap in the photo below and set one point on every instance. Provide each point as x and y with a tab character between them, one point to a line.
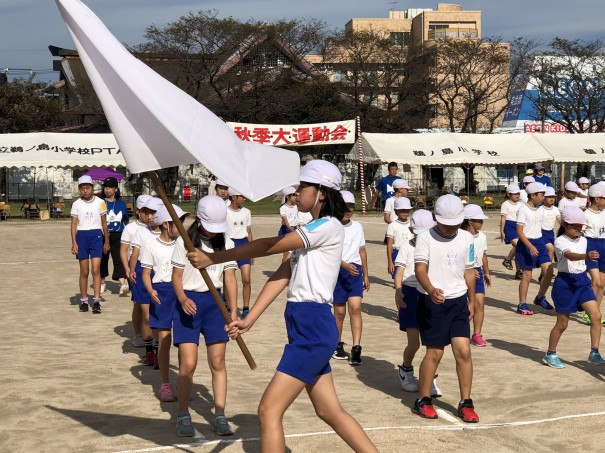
401	184
288	190
421	220
321	172
142	199
347	196
573	215
220	183
212	212
513	188
474	211
162	215
528	179
154	204
550	192
535	187
233	192
596	190
583	180
402	203
449	210
571	186
85	179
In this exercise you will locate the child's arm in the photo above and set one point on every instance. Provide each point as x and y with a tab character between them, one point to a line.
593	255
285	220
486	276
387	217
231	289
188	305
106	246
133	264
74	230
398	283
124	258
502	222
349	267
364	268
436	294
469	277
146	276
390	265
532	250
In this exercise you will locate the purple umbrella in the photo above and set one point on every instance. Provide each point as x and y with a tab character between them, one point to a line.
100	174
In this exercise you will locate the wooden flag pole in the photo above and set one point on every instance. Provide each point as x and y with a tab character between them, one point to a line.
190	248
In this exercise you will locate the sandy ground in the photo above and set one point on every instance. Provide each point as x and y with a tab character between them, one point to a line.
73	382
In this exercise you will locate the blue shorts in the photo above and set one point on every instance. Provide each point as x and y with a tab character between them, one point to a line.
548	236
142	296
438	323
208	320
90	244
526	261
312	339
597	244
407	315
160	316
393	258
134	288
510	231
284	230
237	243
479	283
570	291
348	285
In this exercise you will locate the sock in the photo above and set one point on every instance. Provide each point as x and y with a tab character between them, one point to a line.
541	295
550	352
84	300
95	299
148	345
522	302
594	349
407	369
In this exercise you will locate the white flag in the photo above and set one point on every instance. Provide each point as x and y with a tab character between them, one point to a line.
157	125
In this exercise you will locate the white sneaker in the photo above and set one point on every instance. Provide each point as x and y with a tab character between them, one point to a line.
435	392
124	290
103	287
407	380
138	341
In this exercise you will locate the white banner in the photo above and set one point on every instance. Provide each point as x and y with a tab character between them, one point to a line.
296	135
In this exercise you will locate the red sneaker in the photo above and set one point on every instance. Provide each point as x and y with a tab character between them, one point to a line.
148	358
466	411
424	408
156	362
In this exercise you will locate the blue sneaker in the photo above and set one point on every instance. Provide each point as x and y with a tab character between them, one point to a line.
542	302
245	312
595	358
552	360
184	428
523	309
221	426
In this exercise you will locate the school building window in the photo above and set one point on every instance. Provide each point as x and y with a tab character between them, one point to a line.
399	38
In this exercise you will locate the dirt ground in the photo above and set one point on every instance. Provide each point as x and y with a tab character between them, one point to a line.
73	381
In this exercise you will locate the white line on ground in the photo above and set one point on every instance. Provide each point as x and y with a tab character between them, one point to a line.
447	416
40	262
456	427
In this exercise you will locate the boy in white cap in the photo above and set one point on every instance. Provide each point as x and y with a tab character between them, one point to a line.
444	258
398	231
222	191
571	197
531	250
523	193
508	225
401	187
550	216
583	184
88	225
289	215
594	232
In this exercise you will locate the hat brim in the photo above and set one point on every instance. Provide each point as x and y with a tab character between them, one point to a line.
215	227
481	217
419	230
450	222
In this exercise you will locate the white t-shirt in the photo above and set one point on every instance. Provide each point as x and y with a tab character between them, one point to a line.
549	217
89	213
595	224
128	235
389	206
523	197
141	236
531	220
239	221
509	209
354	240
400	232
480	242
157	255
290	213
447	259
315	267
192	279
405	259
586	200
563	244
304	218
579	202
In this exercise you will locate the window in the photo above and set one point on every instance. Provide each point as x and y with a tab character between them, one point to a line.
438	26
401	38
340	75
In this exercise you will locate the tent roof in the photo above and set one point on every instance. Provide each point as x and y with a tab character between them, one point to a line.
574	147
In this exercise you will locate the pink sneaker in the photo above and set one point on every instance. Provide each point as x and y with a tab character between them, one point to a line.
167	393
478	340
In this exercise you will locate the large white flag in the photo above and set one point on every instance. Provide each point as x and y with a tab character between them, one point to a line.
157	125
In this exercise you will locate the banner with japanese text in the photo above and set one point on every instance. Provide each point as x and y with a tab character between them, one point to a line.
296	135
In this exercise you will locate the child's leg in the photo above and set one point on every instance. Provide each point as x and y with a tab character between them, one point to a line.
592	310
164	340
479	313
137	318
412	347
246	286
96	277
216	361
354	304
328	408
558	329
428	367
551	251
84	278
340	311
184	380
511	254
146	329
461	347
524	285
547	272
598	283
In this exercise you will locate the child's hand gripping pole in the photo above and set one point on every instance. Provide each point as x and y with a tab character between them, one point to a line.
190	248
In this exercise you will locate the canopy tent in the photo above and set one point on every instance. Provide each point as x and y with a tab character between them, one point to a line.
565	148
100	174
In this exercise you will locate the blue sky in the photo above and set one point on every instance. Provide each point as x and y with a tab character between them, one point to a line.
28	27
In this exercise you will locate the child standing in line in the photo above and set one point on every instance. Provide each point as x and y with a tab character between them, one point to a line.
88	226
239	220
594	232
222	191
473	222
125	254
550	215
523	196
406	298
156	255
310	276
571	197
571	291
583	184
351	283
401	187
196	312
531	250
508	226
398	231
289	215
444	258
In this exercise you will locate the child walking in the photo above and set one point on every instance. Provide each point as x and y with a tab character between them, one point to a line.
310	275
289	215
473	222
594	232
571	197
88	227
156	255
398	231
444	258
197	313
352	281
508	225
571	291
401	187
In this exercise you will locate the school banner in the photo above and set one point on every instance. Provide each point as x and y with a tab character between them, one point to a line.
334	133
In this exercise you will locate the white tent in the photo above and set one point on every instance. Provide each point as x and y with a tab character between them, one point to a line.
573	147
